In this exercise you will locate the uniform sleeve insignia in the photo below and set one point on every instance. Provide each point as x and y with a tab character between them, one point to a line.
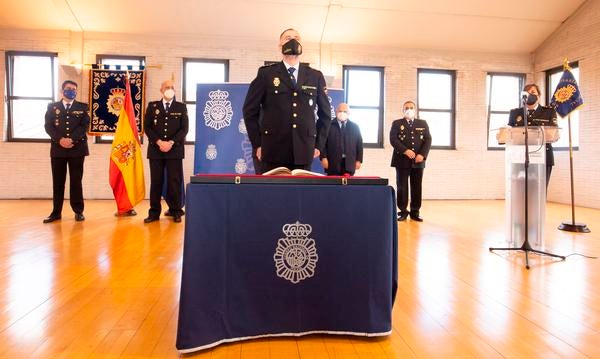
519	118
57	111
401	127
276	81
156	111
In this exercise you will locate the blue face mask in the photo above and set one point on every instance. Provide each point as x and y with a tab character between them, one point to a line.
70	94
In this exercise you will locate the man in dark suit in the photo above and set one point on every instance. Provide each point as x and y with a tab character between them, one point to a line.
287	93
411	140
166	125
537	115
66	122
343	151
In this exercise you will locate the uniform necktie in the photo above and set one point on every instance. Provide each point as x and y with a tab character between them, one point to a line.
68	106
167	105
343	138
291	70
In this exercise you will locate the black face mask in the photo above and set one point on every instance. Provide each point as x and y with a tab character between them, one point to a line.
291	47
531	99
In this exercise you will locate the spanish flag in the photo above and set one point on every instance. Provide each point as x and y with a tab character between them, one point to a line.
126	164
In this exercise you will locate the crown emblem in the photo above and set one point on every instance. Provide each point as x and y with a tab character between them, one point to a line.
117	91
297	230
218	95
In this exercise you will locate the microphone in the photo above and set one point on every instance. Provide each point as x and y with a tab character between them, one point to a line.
524	95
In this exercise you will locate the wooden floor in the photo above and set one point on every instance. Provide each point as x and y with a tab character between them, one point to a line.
108	288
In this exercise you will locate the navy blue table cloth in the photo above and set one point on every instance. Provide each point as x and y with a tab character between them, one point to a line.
270	260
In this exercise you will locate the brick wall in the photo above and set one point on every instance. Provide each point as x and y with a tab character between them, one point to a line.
578	39
470	171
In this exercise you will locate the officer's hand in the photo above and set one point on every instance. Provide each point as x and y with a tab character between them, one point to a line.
258	153
317	153
410	154
66	142
419	158
325	163
358	163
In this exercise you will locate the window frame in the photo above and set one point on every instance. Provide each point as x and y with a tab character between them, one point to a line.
345	84
99	59
522	78
186	60
452	110
9	64
549	92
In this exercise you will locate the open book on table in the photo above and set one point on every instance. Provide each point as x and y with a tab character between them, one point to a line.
284	171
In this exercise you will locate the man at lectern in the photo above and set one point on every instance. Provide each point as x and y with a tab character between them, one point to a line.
537	115
287	94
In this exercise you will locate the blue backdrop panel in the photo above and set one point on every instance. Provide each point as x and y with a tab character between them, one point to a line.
222	144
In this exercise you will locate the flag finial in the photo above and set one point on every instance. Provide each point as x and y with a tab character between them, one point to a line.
566	64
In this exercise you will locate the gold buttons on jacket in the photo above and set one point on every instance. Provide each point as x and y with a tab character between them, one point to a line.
295	115
294	126
294	104
295	94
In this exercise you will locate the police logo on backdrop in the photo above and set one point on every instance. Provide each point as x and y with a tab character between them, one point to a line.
240	166
296	255
211	152
242	127
564	93
247	152
218	111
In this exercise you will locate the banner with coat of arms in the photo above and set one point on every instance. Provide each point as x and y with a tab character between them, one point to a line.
222	143
107	95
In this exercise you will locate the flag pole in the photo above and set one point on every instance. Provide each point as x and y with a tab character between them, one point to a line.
572	226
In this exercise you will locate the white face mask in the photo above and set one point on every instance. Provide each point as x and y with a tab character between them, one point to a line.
342	116
169	94
409	113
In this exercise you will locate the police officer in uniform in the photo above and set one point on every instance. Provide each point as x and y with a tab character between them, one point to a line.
287	93
411	140
537	115
166	125
66	122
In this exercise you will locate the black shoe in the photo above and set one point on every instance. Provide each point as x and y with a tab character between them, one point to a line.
79	217
169	214
150	219
176	219
51	218
402	217
416	218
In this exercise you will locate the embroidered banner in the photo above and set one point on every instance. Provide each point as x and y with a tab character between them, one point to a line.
222	144
107	95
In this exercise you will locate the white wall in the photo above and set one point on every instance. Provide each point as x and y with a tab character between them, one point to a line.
578	39
470	171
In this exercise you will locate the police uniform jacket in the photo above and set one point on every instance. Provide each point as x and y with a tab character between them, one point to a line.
172	126
287	132
71	124
353	145
404	137
541	116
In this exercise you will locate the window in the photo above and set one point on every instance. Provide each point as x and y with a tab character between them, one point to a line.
503	94
552	78
117	62
437	103
363	92
197	71
31	83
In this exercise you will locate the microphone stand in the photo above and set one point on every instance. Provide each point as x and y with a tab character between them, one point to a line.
526	247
